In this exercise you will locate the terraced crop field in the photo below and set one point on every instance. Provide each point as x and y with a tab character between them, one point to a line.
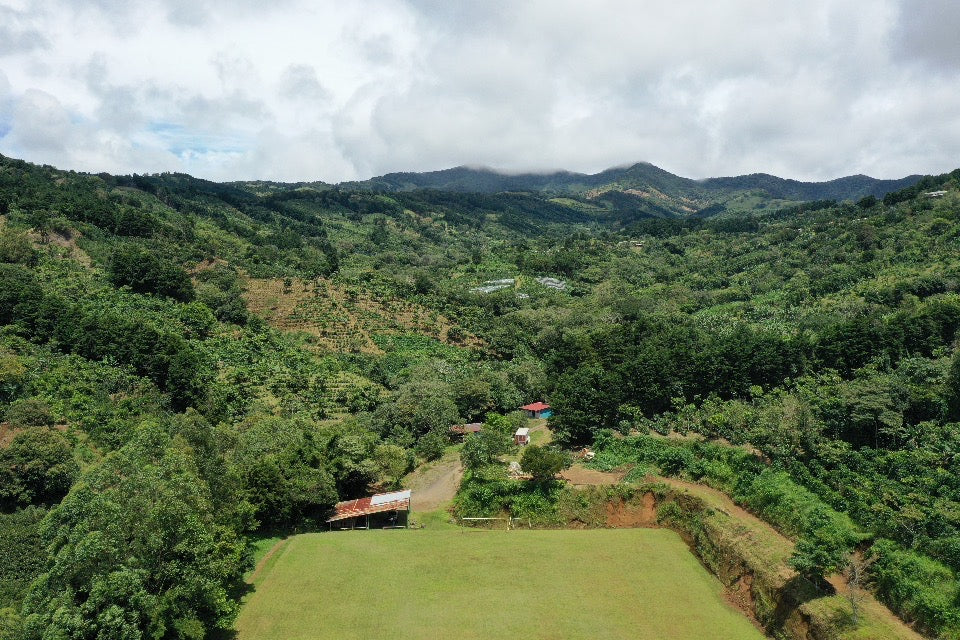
640	584
342	318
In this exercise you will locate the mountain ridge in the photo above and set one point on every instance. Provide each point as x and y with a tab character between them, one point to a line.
636	176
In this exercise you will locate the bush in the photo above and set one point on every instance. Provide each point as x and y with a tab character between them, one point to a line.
16	248
11	627
18	288
675	460
29	412
22	553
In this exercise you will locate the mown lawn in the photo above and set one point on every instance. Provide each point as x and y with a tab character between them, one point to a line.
617	583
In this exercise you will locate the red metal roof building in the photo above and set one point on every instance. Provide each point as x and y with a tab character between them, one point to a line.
396	501
537	410
535	406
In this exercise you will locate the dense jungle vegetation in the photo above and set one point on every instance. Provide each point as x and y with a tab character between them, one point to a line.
180	371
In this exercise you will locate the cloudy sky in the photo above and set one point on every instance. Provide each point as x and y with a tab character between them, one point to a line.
308	89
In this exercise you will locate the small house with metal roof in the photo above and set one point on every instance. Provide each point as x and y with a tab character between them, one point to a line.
537	410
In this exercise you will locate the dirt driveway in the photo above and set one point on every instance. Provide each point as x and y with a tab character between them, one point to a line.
434	485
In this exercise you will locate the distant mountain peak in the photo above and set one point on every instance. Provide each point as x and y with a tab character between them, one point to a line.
637	180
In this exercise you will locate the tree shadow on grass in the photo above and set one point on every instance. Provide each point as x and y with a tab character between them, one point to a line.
796	592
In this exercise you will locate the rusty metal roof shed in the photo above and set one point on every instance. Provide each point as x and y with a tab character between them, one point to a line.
394	501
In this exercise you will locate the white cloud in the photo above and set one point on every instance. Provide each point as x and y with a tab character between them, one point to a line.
303	90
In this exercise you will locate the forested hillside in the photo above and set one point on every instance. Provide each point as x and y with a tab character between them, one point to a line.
186	365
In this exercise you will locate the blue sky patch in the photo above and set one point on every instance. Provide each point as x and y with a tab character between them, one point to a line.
181	141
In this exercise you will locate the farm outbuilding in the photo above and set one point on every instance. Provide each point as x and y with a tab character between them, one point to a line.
537	410
522	436
386	509
466	429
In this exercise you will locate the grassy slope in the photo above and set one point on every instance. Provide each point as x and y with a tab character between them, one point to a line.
631	583
762	547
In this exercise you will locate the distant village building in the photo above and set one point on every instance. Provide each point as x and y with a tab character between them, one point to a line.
466	429
494	285
490	286
522	436
935	194
537	410
553	283
386	509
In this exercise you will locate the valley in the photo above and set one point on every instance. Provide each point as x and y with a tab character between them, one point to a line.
191	370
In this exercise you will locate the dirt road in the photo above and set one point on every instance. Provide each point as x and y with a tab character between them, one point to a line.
434	485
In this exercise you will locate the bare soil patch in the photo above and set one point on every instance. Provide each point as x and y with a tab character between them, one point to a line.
623	515
66	242
7	433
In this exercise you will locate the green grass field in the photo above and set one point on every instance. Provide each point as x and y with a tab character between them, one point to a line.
641	584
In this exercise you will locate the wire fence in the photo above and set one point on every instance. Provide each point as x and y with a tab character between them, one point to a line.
508	523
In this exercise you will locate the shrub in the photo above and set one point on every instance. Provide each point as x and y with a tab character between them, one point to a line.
16	248
22	553
29	412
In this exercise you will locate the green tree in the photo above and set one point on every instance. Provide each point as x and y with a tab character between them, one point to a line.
394	462
543	463
585	401
432	444
29	412
135	552
484	448
146	272
37	468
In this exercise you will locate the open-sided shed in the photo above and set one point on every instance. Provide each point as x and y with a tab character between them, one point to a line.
390	504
